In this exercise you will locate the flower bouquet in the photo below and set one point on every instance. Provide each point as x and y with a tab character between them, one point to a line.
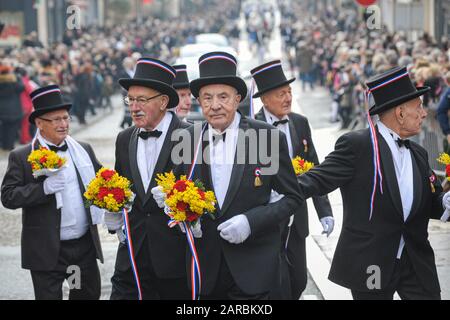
186	202
112	192
444	159
301	166
109	191
45	162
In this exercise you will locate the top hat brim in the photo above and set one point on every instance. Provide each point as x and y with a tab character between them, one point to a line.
272	87
41	111
232	81
181	85
153	84
375	109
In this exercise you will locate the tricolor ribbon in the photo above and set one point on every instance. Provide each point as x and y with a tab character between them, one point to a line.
196	278
377	175
131	251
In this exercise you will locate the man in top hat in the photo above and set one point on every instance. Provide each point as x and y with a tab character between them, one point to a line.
181	85
238	249
143	151
56	236
389	194
275	92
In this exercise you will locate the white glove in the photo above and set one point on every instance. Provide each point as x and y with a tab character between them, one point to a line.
235	230
275	196
54	183
114	221
196	229
121	235
328	225
446	200
446	204
159	195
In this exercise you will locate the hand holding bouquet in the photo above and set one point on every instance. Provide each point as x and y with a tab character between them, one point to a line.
186	201
45	162
109	191
444	159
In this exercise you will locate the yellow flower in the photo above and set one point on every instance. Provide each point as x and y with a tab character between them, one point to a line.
100	191
191	200
301	166
166	181
444	158
43	158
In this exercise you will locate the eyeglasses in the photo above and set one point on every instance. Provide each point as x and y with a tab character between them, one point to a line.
141	101
56	121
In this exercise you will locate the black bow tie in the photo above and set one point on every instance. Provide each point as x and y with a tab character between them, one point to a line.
276	123
56	149
217	137
148	134
403	143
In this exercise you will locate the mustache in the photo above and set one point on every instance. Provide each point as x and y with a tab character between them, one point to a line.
138	113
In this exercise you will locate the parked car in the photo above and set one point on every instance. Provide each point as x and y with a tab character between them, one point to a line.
212	38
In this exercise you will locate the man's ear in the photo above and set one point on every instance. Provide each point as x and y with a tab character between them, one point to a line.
164	102
38	123
263	99
399	114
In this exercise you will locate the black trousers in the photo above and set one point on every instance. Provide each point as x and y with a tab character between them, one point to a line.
296	261
404	281
79	253
153	288
293	270
227	289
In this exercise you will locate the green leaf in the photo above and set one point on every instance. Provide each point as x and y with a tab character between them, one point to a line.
199	185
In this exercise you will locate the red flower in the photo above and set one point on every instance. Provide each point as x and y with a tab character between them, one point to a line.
447	170
180	185
301	162
202	194
118	194
108	174
191	216
43	160
102	192
60	163
182	206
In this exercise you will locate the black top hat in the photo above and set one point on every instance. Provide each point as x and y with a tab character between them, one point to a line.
391	89
47	99
269	76
218	68
181	80
155	74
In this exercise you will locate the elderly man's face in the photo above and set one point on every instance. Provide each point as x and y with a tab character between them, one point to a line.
411	115
54	126
219	103
147	106
278	101
184	106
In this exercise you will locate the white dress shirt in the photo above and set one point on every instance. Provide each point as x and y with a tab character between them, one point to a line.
271	118
74	221
404	172
222	155
148	150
